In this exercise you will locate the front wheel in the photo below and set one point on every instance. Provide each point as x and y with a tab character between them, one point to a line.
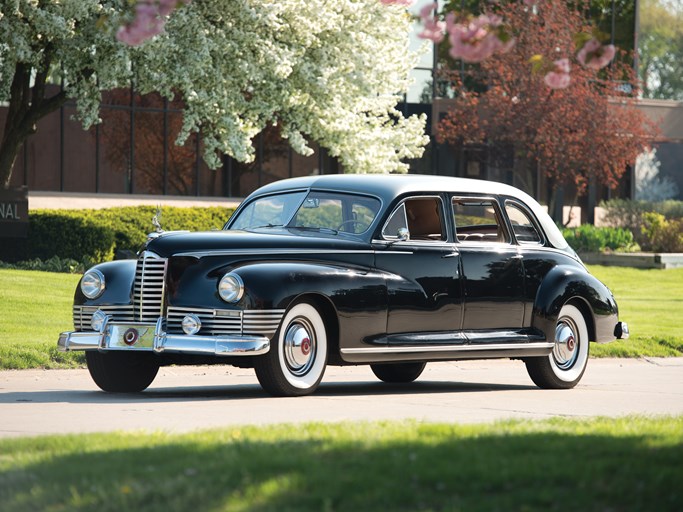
564	367
295	363
122	372
397	373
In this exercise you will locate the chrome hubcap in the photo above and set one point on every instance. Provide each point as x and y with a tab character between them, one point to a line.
299	346
566	349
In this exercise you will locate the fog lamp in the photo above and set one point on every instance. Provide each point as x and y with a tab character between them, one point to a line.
98	319
191	324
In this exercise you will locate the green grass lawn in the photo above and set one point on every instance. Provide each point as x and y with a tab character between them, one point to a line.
36	307
651	301
600	464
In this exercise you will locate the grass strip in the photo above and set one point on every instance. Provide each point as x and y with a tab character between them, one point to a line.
599	464
36	307
650	301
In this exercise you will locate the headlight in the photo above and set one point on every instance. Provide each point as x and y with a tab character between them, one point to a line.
231	288
92	284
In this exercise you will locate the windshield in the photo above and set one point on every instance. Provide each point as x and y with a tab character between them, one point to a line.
313	211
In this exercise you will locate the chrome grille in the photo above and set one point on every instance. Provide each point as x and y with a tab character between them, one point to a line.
118	313
261	322
224	321
148	288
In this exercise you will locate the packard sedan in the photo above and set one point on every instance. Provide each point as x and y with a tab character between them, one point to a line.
388	271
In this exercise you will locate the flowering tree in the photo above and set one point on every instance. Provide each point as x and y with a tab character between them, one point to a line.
557	110
239	66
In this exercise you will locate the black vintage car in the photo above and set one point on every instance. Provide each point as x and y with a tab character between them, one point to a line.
390	271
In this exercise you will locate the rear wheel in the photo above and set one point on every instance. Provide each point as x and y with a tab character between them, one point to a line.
564	367
122	372
398	372
296	361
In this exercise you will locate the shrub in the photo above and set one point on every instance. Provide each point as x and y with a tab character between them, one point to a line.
632	215
663	235
88	236
54	264
132	224
62	234
588	238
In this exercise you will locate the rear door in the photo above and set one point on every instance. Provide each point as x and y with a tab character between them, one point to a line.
493	273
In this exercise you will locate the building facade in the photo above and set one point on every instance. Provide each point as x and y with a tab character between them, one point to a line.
133	150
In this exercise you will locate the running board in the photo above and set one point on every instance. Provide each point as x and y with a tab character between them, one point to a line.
449	346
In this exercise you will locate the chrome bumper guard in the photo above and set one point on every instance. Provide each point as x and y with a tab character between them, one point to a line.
222	345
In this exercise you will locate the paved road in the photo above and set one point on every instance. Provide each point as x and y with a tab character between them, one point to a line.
182	399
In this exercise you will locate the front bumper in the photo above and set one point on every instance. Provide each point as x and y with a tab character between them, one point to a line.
222	345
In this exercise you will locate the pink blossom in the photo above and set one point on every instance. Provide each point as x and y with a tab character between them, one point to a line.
559	77
433	28
530	3
149	20
477	40
595	55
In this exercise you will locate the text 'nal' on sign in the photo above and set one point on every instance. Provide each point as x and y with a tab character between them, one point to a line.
14	213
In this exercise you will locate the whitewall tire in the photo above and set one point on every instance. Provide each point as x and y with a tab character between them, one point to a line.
296	361
565	365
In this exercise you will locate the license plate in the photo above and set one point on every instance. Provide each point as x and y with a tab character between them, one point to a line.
130	336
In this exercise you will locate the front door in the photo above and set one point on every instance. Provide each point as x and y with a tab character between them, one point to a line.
423	269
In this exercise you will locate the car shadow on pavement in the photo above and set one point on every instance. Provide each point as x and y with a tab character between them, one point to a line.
253	392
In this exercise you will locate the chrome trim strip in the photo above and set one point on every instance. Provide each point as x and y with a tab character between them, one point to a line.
272	251
446	348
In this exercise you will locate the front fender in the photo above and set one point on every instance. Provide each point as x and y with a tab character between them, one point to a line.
358	295
565	284
118	277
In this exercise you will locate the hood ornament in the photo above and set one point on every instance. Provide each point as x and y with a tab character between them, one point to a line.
156	220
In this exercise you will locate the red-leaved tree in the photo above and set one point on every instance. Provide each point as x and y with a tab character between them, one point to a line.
590	129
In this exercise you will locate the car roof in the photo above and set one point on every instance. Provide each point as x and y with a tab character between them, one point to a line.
390	186
393	185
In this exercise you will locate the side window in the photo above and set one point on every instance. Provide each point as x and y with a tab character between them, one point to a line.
423	218
522	225
396	221
478	220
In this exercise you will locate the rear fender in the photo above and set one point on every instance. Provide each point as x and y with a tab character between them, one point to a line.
564	284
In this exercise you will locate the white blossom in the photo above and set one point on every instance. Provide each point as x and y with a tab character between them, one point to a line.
324	71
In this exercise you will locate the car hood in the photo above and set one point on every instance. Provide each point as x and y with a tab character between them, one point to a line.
203	243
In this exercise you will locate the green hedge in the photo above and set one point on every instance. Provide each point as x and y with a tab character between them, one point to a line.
131	225
588	238
96	235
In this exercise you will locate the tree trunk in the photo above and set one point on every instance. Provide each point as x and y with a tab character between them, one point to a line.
8	154
27	105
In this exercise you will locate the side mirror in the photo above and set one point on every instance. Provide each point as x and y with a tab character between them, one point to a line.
403	234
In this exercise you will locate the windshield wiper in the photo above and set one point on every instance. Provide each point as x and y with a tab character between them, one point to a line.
317	230
268	226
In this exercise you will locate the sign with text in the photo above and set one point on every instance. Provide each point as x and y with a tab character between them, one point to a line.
14	213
